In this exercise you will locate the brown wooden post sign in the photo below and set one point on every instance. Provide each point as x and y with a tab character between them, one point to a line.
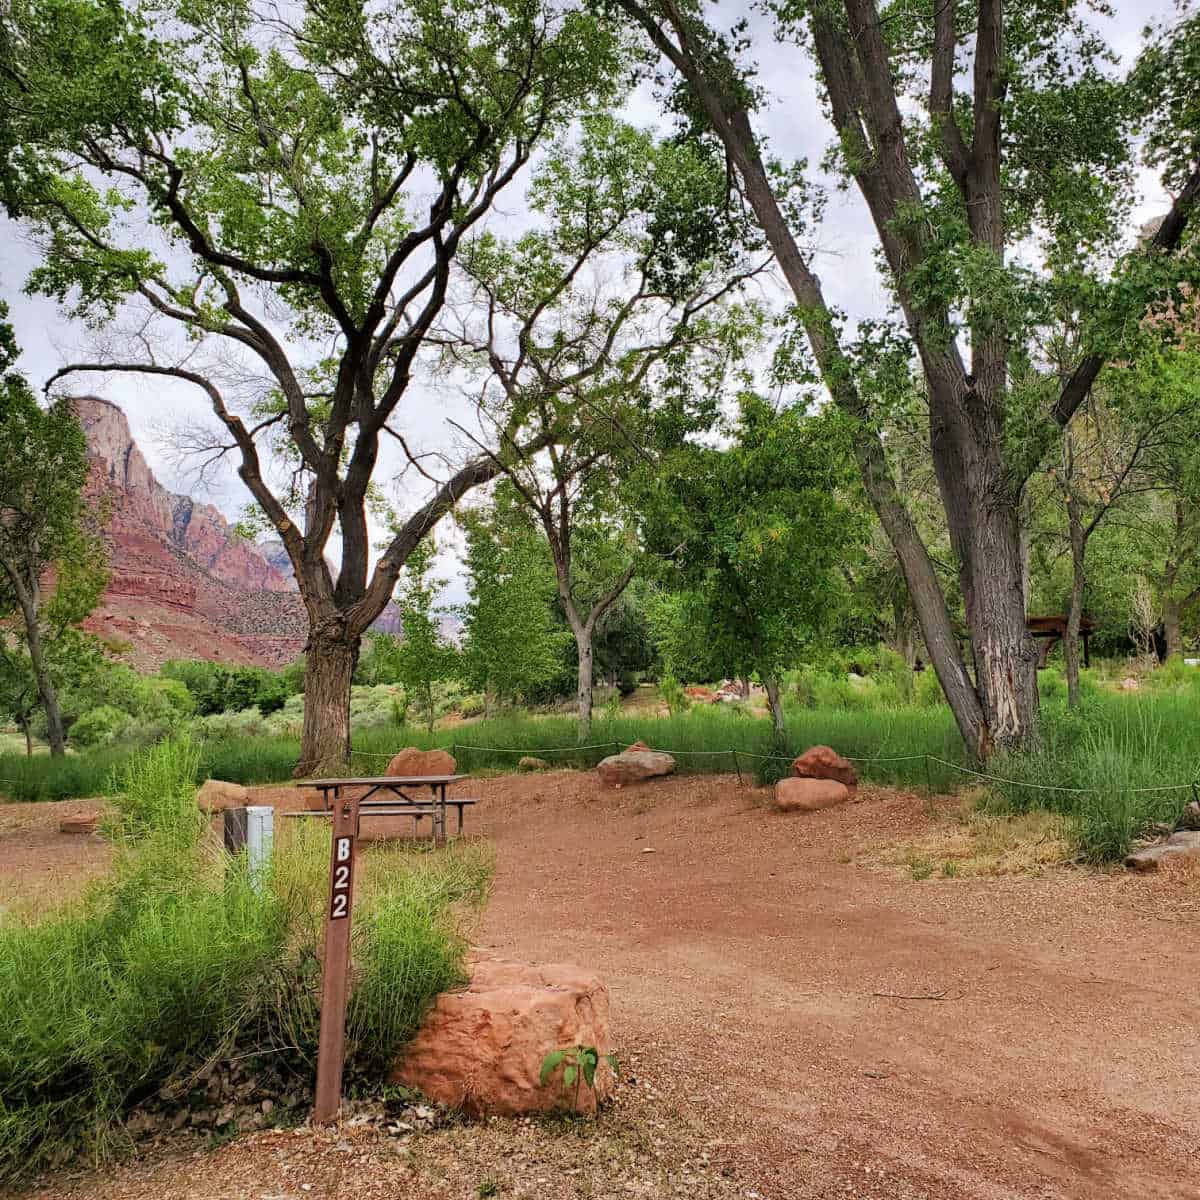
331	1051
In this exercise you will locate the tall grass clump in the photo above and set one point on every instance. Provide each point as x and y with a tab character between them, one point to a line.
1125	767
179	959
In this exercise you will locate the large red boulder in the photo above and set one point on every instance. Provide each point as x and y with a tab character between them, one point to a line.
411	761
823	762
481	1049
808	795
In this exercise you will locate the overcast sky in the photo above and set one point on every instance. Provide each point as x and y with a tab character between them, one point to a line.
796	128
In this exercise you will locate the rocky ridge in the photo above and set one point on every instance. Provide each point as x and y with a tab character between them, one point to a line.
183	583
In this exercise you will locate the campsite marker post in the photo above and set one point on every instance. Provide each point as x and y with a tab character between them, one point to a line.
331	1050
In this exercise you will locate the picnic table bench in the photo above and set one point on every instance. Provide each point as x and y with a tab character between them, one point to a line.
399	803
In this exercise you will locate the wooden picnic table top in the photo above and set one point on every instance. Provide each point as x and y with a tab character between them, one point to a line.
383	780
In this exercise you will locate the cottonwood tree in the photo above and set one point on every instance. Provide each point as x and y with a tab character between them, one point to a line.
52	568
971	131
422	657
288	191
513	645
756	530
621	300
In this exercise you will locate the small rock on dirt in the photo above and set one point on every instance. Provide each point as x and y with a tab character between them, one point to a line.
823	762
411	761
83	823
529	763
809	795
216	795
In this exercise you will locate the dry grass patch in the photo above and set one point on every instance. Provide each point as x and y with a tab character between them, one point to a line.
966	841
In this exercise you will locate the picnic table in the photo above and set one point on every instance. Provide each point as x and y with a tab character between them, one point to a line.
399	802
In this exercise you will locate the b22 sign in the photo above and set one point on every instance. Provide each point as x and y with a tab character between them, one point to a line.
342	878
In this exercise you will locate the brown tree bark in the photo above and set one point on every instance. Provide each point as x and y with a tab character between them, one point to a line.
330	657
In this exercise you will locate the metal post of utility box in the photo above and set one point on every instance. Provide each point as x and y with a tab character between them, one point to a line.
251	829
260	833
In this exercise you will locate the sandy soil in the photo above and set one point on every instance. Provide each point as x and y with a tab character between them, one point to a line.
802	1025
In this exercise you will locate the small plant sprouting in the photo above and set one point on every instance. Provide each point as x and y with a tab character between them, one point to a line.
579	1067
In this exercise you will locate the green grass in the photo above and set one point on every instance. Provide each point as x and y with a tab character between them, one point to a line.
176	961
1114	745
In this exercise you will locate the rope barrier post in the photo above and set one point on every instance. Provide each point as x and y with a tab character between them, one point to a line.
737	767
928	776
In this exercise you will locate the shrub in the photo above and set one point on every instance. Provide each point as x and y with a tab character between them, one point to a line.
98	726
177	960
672	694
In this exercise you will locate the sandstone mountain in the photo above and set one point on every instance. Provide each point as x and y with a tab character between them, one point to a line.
184	584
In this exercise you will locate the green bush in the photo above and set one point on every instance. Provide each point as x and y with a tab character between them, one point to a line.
217	687
98	726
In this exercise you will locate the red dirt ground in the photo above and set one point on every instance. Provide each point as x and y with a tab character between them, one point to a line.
839	1031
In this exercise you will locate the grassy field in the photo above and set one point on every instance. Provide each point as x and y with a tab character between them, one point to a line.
1097	766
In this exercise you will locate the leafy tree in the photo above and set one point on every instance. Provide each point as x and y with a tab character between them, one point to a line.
422	657
965	167
42	528
575	329
217	687
512	644
314	174
758	531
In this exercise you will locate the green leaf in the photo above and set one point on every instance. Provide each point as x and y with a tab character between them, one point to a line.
569	1076
549	1064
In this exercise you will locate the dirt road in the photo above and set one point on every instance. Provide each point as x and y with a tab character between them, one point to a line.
1052	1051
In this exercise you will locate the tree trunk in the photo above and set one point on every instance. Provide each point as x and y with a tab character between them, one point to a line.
28	732
1075	607
328	670
774	702
583	694
55	734
1171	628
1004	653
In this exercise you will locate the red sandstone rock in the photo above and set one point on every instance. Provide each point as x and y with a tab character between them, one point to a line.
822	762
81	823
638	747
482	1049
182	584
411	761
634	766
808	795
215	796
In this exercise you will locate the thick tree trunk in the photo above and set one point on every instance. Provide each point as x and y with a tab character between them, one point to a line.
1075	607
583	693
55	735
28	732
1004	653
328	670
774	702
